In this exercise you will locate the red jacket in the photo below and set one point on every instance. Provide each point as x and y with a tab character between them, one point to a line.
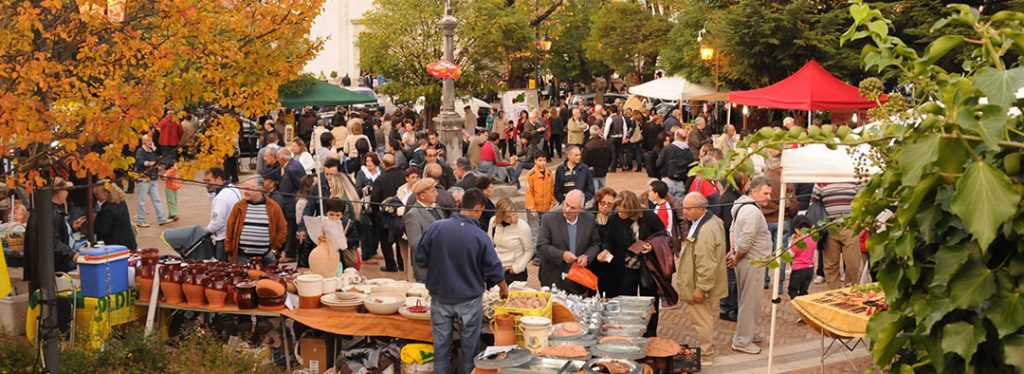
170	131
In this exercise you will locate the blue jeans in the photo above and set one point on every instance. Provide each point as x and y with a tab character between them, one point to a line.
786	233
442	321
150	189
599	183
522	165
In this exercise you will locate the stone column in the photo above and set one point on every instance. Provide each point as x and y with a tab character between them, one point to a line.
449	124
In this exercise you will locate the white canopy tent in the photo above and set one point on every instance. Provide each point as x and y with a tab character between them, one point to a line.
814	163
678	88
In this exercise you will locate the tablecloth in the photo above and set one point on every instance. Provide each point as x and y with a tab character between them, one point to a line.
828	311
362	324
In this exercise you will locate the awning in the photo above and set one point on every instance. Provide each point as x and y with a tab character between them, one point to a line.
325	94
810	88
677	88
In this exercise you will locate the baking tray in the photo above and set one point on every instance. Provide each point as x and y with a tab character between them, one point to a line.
516	357
618	350
540	365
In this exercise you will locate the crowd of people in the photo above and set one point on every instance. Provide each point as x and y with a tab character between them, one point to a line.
390	182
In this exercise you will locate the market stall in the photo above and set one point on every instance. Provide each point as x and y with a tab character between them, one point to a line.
841	315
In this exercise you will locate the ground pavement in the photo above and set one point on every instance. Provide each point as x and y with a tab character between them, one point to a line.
798	347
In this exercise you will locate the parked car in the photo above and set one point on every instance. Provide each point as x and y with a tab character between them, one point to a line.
582	99
374	106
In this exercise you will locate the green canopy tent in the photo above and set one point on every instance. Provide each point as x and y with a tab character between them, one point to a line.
325	94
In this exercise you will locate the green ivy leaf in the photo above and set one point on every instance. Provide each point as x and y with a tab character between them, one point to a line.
1013	351
883	329
879	27
973	285
858	12
962	338
940	47
984	199
1000	85
948	261
915	156
1007	313
993	124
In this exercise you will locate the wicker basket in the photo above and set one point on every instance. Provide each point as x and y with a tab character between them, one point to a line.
15	243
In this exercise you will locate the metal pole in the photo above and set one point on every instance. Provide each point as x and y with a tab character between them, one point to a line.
90	214
775	275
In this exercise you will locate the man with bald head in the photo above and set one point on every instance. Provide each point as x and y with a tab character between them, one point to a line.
700	278
445	200
385	186
566	236
146	164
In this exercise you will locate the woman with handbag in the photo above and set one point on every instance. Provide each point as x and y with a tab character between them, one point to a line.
629	229
603	210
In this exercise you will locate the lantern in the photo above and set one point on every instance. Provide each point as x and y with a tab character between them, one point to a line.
707	53
444	70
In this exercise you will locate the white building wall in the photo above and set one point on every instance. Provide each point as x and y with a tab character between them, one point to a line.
339	24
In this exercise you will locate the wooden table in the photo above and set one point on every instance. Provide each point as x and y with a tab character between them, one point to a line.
362	324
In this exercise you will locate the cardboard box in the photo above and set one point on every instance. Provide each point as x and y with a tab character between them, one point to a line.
13	311
314	354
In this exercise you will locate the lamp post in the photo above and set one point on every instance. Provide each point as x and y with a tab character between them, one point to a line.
543	45
448	123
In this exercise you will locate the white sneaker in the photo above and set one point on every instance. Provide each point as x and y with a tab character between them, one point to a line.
758	338
749	348
706	363
819	279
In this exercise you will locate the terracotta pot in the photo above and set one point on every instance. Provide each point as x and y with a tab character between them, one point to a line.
245	295
309	302
194	294
504	330
215	298
171	292
145	287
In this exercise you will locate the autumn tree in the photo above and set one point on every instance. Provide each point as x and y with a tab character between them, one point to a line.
92	76
568	29
627	37
402	37
82	80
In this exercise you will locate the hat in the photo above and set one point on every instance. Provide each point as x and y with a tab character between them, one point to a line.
423	185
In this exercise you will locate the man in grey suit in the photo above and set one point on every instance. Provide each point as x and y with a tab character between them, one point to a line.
564	239
418	217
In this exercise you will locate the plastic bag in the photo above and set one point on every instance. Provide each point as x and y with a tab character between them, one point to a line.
582	276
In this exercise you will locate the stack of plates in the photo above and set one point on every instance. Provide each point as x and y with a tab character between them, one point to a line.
343	301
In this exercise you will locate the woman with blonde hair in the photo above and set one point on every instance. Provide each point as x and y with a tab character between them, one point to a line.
512	239
355	128
113	225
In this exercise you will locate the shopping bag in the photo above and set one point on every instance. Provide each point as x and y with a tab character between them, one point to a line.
582	276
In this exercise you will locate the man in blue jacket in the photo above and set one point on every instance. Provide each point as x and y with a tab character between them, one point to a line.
460	257
574	175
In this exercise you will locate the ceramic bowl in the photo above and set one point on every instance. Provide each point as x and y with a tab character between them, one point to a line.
384	304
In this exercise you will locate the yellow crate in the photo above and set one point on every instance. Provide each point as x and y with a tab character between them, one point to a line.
521	312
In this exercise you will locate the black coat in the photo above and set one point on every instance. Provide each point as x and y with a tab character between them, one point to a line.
387	185
597	153
113	225
620	237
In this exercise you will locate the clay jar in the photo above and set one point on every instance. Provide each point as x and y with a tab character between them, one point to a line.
255	268
216	290
503	326
245	295
193	286
145	271
170	282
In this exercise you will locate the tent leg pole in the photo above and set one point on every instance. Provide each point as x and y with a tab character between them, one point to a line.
808	119
780	230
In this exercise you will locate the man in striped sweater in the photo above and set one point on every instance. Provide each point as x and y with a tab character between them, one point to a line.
256	226
837	197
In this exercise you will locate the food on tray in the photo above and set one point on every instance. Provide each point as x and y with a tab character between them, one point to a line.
615	339
419	308
527	302
661	347
566	351
611	367
567	329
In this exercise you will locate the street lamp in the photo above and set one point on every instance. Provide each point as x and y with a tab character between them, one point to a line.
707	53
544	44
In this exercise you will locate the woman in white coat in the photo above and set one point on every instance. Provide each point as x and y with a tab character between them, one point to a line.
512	239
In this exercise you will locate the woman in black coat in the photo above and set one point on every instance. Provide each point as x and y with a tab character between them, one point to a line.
632	223
113	225
603	211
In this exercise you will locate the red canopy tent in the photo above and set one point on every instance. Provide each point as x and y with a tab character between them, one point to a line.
810	88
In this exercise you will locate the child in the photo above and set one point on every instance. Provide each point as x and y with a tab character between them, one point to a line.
803	258
172	182
540	191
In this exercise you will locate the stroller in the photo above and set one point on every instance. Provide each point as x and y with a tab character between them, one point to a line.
191	242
